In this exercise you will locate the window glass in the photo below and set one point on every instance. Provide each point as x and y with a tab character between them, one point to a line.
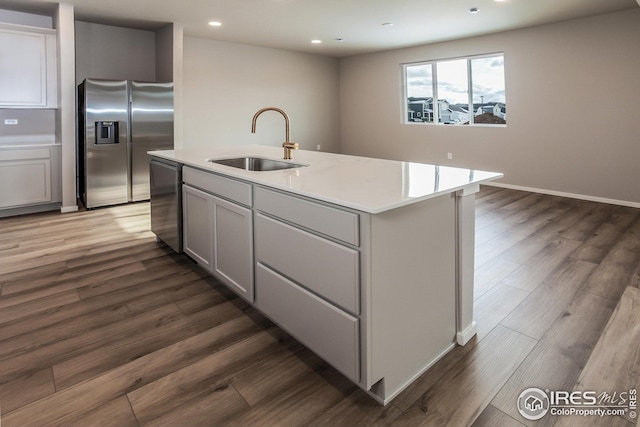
464	90
453	92
420	93
488	90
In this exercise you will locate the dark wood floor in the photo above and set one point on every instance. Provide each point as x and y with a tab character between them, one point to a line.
100	325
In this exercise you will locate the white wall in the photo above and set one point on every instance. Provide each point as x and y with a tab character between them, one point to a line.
225	84
108	52
66	113
573	101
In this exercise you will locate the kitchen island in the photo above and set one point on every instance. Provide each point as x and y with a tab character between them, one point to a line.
367	262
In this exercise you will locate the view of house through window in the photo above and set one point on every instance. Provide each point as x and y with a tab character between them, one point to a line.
465	90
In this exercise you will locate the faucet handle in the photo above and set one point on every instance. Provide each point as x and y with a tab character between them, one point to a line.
288	146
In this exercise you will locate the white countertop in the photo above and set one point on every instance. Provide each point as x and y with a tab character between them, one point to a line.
362	183
27	140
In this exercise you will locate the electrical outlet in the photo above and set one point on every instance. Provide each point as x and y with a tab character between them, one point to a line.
10	121
318	147
450	156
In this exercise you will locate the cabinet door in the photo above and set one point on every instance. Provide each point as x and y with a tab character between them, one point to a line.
26	177
23	69
198	226
233	246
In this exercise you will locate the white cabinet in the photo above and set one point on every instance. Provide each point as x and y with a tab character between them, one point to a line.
233	246
198	226
218	233
307	279
29	176
27	67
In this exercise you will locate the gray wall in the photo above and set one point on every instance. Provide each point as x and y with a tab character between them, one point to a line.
226	83
572	108
107	52
164	53
21	18
30	122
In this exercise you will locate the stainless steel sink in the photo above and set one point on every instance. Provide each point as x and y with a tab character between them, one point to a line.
256	163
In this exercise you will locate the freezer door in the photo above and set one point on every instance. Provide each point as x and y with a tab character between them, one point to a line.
105	142
151	129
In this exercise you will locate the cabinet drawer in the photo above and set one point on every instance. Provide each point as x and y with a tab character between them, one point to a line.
325	267
339	224
231	189
323	328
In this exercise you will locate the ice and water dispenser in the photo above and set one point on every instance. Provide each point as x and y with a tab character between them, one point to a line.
107	132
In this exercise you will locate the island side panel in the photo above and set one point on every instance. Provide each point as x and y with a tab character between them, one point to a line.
465	223
412	291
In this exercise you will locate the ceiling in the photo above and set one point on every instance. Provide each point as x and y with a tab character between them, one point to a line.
292	24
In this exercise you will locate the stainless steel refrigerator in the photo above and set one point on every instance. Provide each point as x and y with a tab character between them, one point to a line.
119	121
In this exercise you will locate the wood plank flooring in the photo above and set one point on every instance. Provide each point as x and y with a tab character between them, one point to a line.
102	326
608	368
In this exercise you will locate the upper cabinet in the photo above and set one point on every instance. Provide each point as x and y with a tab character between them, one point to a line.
27	67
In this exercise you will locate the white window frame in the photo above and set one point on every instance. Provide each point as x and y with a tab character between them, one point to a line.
434	84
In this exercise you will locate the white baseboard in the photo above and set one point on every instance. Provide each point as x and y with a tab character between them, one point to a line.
563	194
67	209
463	337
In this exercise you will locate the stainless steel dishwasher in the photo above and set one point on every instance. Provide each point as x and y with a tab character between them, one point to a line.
166	202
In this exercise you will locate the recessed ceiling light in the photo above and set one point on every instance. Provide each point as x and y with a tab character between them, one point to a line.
215	23
474	10
316	41
339	39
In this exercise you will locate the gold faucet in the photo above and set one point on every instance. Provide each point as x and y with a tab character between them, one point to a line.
287	145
